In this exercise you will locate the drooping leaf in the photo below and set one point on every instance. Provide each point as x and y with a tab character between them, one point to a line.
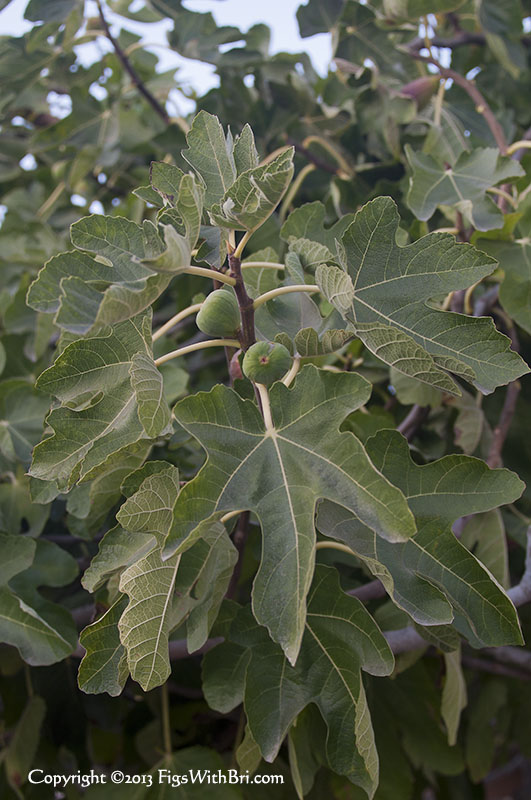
432	576
42	631
22	412
20	752
162	594
279	473
88	293
150	509
515	290
384	291
104	665
89	503
223	676
101	411
202	582
340	639
464	185
480	744
470	423
146	623
255	194
484	535
454	695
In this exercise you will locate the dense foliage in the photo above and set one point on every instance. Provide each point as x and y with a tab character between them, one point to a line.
264	402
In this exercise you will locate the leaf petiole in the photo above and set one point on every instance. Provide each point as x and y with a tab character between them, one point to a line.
311	288
334	546
181	351
210	273
186	312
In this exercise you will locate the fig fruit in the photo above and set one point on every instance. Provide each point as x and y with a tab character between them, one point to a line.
266	362
219	315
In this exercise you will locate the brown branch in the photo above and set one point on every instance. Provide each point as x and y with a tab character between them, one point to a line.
154	103
487	300
247	334
482	107
413	421
494	458
484	665
312	158
369	591
461	39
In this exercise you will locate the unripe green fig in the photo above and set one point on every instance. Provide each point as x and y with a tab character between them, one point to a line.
219	315
266	362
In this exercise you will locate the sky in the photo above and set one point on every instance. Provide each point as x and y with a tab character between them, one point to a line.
278	14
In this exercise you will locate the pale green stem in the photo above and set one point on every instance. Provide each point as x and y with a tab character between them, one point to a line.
49	202
438	103
517	146
288	378
266	407
345	168
230	515
502	193
210	273
293	189
311	288
467	300
181	351
241	245
186	312
334	546
447	300
166	727
27	678
263	264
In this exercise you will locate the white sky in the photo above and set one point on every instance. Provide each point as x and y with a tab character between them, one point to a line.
278	14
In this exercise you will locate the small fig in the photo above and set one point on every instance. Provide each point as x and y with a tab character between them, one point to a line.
219	315
266	362
421	90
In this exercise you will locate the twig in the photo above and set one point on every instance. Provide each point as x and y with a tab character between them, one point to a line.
154	103
501	430
484	303
482	107
484	665
248	336
312	158
517	155
413	421
405	639
369	591
521	593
